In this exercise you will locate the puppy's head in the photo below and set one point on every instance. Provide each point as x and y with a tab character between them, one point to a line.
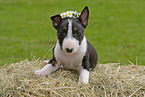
70	31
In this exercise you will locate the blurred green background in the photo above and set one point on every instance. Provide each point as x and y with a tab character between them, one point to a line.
116	28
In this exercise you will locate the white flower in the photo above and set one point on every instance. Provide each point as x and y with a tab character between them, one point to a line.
70	14
63	15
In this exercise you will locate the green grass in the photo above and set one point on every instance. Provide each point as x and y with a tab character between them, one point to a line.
116	28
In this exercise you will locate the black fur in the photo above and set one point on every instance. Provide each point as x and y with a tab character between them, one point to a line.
85	62
78	30
53	60
93	57
62	31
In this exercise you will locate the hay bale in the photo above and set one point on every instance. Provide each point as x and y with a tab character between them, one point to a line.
17	79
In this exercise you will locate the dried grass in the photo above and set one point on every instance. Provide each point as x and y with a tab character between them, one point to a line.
107	80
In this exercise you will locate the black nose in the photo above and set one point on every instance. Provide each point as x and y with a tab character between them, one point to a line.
69	50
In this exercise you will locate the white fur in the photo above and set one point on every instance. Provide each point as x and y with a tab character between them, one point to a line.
73	61
69	41
47	70
84	76
69	34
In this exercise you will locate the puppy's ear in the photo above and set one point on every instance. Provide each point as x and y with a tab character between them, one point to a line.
56	20
84	16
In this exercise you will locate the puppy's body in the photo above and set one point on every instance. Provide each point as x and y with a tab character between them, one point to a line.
72	49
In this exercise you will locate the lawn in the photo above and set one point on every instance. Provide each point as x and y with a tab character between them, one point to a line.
116	29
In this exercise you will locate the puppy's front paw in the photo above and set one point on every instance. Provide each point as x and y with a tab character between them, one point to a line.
83	81
84	76
45	61
41	72
44	71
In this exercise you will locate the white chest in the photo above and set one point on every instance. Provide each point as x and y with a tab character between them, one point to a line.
69	61
74	61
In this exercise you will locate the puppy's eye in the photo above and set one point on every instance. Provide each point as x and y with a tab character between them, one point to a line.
62	32
78	33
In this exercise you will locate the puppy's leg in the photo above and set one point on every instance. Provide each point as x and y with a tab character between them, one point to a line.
84	76
50	67
47	70
84	70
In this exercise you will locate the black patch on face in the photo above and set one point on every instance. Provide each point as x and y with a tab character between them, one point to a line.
77	30
62	30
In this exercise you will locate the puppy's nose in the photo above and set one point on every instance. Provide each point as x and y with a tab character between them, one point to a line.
69	50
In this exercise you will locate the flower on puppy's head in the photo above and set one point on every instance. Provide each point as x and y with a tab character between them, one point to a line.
70	14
